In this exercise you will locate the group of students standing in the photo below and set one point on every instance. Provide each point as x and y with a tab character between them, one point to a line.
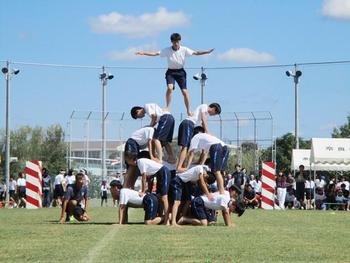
175	190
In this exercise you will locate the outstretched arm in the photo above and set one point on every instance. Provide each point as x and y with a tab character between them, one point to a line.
227	217
147	53
198	53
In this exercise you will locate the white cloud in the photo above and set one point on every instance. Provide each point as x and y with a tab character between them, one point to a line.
147	24
129	53
338	9
246	55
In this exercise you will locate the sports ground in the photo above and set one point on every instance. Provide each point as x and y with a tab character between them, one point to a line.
258	236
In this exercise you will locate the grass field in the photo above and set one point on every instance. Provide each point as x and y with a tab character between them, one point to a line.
259	236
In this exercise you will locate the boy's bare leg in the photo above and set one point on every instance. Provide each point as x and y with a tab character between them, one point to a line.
170	153
220	182
174	212
158	148
166	209
168	96
182	157
189	221
187	101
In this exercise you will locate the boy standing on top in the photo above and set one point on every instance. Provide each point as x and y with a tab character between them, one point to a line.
176	55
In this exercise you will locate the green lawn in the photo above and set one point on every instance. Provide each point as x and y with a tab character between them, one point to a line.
259	236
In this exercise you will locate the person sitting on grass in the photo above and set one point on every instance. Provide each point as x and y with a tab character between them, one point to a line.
72	201
249	197
181	187
131	198
229	202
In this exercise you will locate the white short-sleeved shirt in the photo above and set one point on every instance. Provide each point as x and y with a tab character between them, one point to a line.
203	141
142	136
148	167
130	197
12	185
70	179
191	175
309	184
196	118
21	182
154	109
220	201
176	58
58	179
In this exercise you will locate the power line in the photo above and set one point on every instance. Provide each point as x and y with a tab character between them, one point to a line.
190	68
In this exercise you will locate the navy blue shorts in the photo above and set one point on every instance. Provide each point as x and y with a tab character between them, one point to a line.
163	181
22	192
185	133
12	193
218	157
179	191
165	128
58	192
178	75
198	209
132	146
150	205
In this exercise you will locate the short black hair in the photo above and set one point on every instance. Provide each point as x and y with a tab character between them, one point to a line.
134	110
144	154
211	177
116	183
198	129
175	37
216	106
235	188
130	155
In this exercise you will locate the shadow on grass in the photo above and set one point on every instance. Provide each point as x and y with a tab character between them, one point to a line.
91	223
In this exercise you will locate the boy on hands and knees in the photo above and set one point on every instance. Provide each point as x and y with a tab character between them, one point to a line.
163	134
131	198
187	126
181	187
218	153
224	202
176	55
72	201
150	169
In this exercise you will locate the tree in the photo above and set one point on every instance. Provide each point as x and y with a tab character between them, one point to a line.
343	131
284	148
37	144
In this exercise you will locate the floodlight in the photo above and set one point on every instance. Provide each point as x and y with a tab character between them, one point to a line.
15	71
5	70
298	73
289	73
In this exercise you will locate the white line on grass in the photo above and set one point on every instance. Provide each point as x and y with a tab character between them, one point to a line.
97	249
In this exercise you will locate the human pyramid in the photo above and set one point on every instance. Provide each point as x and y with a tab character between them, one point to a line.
174	191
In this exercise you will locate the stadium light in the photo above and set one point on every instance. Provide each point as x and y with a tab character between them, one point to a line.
5	71
202	77
104	77
296	77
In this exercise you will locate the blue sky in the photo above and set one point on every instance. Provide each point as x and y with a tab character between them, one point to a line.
243	33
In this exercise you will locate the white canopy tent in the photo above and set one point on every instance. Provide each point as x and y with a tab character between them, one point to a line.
330	154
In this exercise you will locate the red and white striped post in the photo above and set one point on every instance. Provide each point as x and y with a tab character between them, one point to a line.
33	173
268	185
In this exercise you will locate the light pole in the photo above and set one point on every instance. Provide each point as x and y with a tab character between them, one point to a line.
296	77
104	77
202	77
7	74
